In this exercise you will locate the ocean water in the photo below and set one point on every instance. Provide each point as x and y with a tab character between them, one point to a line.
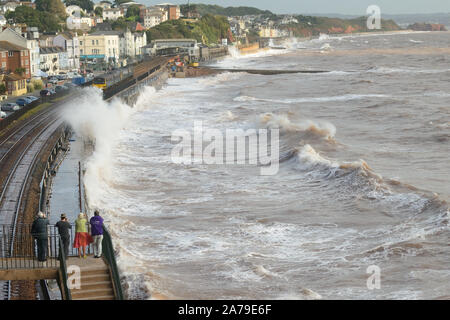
364	178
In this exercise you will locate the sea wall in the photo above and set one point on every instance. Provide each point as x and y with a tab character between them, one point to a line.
156	80
149	73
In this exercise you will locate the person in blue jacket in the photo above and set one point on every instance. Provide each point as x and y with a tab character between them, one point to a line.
97	233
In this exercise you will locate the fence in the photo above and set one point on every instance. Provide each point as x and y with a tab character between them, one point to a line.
50	169
18	250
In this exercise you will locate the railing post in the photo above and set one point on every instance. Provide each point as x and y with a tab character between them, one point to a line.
63	271
111	259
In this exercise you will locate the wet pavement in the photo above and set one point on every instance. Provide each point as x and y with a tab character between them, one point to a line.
65	194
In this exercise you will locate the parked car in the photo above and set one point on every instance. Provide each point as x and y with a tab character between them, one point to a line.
10	106
45	92
32	98
60	88
61	77
2	115
23	101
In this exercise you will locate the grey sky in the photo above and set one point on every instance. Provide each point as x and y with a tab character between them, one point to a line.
354	7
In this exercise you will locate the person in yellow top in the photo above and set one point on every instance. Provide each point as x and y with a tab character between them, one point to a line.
82	237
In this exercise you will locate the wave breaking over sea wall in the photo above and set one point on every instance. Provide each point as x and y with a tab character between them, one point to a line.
358	185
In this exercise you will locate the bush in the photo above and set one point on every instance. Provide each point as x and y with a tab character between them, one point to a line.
30	88
37	84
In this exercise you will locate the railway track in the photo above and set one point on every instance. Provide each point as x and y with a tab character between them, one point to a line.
19	150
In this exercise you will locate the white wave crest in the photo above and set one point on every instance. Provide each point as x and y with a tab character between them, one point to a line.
311	160
320	128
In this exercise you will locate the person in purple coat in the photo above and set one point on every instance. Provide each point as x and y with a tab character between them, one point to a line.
97	233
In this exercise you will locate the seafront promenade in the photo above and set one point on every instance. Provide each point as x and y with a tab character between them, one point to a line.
61	187
27	189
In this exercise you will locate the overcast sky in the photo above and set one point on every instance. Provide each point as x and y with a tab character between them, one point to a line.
354	7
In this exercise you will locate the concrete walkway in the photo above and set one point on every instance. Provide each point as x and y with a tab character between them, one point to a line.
65	195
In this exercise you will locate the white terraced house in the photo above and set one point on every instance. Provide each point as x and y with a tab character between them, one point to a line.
71	43
112	14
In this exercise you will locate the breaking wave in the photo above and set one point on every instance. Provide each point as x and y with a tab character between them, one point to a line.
359	179
347	97
321	129
311	160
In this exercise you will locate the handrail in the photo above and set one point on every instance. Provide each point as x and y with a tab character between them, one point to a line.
63	270
107	248
108	251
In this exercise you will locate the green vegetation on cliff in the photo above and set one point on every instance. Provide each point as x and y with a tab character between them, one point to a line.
308	25
204	9
209	29
43	20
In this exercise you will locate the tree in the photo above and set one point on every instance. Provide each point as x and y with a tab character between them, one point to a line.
51	6
44	21
98	11
24	14
119	24
133	11
87	5
2	88
119	2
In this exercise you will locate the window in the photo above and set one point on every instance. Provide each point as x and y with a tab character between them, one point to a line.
93	42
81	51
10	53
3	65
96	42
26	53
4	54
26	62
81	43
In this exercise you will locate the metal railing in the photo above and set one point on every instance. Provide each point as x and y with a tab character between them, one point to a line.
18	250
65	291
110	256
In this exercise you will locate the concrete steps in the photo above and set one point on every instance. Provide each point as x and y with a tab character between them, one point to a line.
84	294
96	282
